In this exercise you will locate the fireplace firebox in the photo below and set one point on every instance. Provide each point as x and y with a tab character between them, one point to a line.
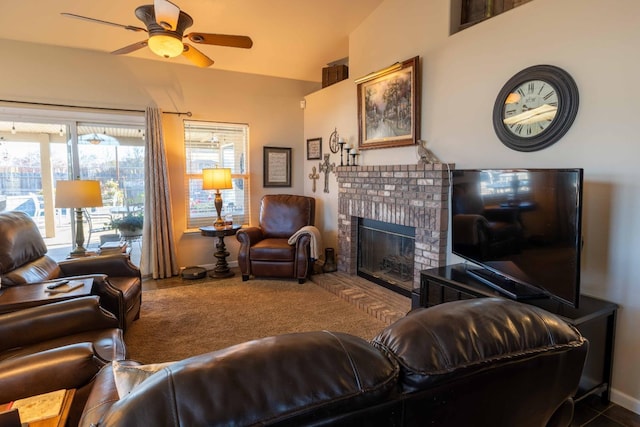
386	254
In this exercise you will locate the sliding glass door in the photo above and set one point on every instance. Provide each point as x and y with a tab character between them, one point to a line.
36	153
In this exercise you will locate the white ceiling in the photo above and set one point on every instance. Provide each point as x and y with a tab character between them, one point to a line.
291	38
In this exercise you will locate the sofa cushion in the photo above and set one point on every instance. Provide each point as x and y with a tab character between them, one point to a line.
471	336
39	270
295	377
21	242
272	250
281	215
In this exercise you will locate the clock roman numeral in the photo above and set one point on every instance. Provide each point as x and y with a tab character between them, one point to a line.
549	95
541	87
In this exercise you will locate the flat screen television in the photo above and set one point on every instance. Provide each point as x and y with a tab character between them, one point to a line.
522	230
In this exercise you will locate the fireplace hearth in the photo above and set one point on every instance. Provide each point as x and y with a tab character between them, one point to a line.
414	196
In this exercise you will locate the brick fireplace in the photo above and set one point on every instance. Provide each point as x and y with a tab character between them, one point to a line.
409	195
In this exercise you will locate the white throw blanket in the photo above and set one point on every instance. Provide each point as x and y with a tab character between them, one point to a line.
316	239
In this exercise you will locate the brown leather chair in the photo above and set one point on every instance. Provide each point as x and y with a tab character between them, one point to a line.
23	260
265	251
56	346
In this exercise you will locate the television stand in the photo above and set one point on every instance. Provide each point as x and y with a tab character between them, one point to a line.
595	319
505	286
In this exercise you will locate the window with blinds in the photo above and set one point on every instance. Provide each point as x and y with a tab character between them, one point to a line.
210	145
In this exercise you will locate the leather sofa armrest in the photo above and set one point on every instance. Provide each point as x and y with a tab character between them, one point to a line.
112	265
111	298
304	261
250	235
103	395
49	321
70	366
247	237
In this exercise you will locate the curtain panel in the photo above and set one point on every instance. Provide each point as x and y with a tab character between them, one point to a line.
159	252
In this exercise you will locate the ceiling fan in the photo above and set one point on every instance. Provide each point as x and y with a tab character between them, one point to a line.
165	23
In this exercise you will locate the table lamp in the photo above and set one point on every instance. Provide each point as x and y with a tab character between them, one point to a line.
217	179
78	194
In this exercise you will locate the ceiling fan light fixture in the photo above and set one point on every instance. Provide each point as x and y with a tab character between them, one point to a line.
165	45
95	140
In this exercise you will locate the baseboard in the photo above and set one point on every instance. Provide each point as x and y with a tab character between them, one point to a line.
626	401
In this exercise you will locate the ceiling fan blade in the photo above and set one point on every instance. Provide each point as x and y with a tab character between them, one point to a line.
101	21
196	57
221	40
167	14
130	48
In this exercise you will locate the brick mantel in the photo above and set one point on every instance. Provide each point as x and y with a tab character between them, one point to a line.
410	195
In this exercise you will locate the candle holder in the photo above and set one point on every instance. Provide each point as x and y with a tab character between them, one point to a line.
354	155
341	143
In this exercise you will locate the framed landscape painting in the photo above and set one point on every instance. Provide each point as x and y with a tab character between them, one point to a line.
389	106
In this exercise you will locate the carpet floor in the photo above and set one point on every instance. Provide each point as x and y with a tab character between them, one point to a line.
208	315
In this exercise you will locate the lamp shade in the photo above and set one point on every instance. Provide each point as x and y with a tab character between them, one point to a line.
216	179
78	194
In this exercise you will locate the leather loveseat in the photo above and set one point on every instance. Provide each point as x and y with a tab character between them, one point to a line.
57	346
23	260
483	362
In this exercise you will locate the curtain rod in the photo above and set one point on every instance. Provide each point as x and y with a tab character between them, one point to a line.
45	104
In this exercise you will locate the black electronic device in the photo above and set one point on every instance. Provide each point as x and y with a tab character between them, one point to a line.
522	228
194	272
57	284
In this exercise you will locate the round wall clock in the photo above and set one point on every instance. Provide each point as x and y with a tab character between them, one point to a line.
535	108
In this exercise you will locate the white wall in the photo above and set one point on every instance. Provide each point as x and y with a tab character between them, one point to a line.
596	42
271	107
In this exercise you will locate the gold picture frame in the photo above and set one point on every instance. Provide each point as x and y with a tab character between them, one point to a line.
389	106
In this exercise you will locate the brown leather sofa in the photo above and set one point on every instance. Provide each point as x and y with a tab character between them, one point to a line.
23	260
265	251
483	362
57	346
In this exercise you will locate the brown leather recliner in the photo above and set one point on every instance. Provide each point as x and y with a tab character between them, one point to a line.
265	251
56	346
23	260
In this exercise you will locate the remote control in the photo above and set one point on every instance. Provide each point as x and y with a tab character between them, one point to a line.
57	284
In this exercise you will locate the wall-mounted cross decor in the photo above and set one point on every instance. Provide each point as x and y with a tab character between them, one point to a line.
314	176
327	168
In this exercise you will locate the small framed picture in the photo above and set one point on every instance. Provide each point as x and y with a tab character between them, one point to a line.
314	149
277	167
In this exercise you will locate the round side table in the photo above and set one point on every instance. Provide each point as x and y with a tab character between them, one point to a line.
222	268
